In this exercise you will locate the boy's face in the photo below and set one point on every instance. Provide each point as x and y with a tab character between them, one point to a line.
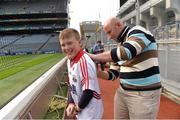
70	47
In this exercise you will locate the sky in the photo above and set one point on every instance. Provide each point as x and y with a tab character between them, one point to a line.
91	10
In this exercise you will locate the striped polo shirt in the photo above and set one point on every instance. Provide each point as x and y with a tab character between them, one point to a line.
137	57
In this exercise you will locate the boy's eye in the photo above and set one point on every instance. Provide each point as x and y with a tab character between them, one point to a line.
109	32
69	43
62	45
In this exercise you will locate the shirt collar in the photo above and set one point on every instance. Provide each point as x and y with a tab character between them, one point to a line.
77	57
123	34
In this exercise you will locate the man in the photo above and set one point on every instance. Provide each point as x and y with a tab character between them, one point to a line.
99	48
136	59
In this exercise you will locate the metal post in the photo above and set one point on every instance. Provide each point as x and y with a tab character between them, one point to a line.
137	12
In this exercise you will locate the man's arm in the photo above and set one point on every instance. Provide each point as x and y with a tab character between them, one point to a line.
102	57
103	74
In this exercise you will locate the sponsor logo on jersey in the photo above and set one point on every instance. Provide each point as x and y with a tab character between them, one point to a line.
74	79
73	89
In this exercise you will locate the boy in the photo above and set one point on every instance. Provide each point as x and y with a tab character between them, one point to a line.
84	98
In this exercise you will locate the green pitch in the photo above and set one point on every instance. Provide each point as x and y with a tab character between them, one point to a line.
17	72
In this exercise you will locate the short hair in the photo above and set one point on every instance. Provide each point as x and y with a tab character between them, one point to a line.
68	33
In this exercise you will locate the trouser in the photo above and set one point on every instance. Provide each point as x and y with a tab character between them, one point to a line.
136	104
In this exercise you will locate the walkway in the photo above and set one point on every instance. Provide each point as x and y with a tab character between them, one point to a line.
168	108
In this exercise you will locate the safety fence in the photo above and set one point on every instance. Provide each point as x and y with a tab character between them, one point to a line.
169	57
167	32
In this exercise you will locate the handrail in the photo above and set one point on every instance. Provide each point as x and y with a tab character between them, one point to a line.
168	41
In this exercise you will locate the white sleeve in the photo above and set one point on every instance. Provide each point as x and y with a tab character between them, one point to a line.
89	74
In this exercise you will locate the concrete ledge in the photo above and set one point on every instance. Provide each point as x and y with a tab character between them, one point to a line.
171	86
171	96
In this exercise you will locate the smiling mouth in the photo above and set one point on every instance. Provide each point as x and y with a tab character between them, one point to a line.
69	52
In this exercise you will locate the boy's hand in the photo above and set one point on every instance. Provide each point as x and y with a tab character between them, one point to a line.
78	109
71	110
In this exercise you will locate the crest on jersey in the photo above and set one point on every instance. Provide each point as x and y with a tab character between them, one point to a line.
74	79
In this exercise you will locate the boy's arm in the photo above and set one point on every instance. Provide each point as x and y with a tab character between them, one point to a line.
85	99
70	99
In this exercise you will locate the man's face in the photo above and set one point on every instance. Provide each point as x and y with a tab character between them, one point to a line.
110	32
70	47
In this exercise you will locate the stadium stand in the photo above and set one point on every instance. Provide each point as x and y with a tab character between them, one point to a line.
40	23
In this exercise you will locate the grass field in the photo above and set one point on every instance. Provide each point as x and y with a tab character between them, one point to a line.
17	72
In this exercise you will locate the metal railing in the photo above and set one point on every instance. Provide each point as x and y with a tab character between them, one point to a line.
167	32
169	57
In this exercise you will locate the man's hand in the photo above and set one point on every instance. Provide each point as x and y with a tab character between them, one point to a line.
101	57
92	56
103	74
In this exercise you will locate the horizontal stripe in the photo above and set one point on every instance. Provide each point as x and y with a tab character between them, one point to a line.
142	81
139	41
141	66
140	74
152	46
128	69
96	95
136	46
145	33
115	67
131	48
137	27
142	37
141	88
121	62
142	57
